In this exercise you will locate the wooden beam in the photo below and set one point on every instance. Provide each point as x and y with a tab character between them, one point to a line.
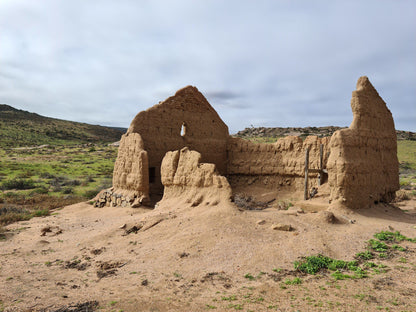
321	165
306	194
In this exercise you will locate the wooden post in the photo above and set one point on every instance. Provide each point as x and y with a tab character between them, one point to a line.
321	165
306	194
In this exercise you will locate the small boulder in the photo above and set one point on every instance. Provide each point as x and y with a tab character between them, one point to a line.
260	222
281	227
324	217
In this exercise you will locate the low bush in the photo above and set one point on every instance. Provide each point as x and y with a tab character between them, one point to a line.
10	214
67	190
91	193
314	264
18	184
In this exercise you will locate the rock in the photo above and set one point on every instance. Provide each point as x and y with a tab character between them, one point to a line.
325	216
51	230
289	212
261	222
281	227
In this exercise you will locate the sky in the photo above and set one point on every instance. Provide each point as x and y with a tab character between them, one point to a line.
263	63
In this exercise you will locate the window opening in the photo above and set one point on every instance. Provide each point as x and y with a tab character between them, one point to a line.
183	129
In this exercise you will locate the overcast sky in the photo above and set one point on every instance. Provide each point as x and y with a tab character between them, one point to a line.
261	63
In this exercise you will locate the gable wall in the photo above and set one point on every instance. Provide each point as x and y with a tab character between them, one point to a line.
160	129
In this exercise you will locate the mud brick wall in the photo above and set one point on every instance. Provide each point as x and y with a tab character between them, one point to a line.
363	167
277	165
161	126
186	178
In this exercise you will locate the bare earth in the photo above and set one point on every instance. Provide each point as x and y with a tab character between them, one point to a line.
196	259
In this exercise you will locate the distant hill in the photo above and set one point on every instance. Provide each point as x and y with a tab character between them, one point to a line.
21	128
318	131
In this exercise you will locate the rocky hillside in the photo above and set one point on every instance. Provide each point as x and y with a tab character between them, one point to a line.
22	128
303	132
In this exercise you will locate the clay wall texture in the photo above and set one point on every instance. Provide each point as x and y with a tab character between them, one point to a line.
185	177
281	164
160	129
363	166
155	158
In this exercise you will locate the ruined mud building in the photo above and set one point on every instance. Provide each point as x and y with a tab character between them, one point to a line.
181	146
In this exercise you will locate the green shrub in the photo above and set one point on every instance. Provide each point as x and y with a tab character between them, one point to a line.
67	190
39	190
40	213
91	193
10	214
377	245
18	184
392	237
366	255
314	264
249	276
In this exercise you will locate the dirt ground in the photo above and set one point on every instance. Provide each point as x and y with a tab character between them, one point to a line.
177	258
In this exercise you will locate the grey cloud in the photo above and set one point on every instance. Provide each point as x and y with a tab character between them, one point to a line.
270	63
222	95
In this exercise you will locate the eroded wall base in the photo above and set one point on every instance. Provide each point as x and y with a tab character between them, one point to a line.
186	179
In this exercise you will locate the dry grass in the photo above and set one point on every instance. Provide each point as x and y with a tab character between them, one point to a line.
402	195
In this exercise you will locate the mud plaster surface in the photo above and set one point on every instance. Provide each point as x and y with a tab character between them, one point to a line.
361	161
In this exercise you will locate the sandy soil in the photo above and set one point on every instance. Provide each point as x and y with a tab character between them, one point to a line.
196	259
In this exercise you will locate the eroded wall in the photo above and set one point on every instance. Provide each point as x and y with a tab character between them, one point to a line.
275	166
362	164
160	129
363	167
130	176
185	178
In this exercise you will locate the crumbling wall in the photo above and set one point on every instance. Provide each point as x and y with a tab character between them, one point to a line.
130	177
363	168
186	178
185	119
277	165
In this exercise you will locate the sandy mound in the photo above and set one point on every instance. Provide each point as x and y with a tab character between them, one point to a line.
180	257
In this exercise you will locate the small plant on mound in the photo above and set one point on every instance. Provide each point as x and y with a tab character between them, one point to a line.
377	245
249	277
365	255
314	264
386	243
295	281
393	237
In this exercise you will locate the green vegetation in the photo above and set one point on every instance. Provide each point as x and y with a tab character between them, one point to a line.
385	245
20	128
406	152
365	255
295	281
314	264
33	181
249	277
66	169
393	237
230	298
